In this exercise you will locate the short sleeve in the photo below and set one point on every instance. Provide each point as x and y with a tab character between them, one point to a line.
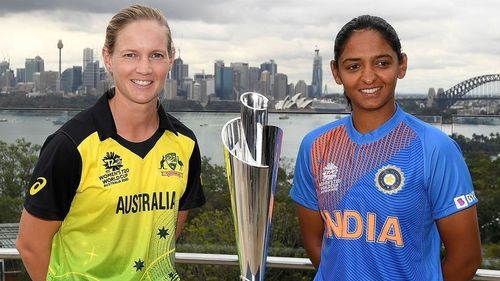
303	189
193	197
55	179
447	176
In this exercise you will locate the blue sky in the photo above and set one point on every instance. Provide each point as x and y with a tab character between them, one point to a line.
447	41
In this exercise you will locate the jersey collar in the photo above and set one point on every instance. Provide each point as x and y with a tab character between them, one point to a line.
103	118
378	133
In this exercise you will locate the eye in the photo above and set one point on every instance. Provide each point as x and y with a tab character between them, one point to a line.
383	63
129	55
353	67
157	56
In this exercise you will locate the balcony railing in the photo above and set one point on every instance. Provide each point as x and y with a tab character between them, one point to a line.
277	262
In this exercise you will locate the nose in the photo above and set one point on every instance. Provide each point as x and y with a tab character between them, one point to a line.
144	66
368	75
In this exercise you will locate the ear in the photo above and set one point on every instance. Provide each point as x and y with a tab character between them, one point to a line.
403	65
335	72
107	59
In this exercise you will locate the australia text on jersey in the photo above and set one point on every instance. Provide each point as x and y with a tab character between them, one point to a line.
350	225
144	202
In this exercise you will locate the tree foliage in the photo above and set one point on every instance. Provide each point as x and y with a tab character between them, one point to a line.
17	161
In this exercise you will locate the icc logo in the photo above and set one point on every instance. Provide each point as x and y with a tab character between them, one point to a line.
112	162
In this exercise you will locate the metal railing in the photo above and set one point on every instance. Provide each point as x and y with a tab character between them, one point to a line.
276	262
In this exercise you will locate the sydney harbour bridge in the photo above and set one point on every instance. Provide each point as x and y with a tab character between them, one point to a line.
484	87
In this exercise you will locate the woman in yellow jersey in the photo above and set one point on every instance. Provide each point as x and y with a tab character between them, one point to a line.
113	186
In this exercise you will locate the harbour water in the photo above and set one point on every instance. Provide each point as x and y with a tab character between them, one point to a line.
35	125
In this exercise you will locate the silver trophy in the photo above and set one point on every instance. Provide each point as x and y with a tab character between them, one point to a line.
252	151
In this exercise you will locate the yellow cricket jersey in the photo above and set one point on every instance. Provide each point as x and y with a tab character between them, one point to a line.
118	201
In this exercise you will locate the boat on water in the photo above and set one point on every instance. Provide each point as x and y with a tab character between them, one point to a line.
3	120
61	120
58	122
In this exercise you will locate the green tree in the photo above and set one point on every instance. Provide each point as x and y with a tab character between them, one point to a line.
17	161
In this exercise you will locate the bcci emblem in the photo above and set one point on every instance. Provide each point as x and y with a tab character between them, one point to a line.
172	161
390	179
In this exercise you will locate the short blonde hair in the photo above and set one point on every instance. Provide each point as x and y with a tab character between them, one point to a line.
130	14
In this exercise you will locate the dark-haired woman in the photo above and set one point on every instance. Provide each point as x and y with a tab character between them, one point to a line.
380	191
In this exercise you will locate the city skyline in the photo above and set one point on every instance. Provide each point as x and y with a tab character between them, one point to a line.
447	41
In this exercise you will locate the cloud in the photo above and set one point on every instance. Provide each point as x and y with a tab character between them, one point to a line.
446	40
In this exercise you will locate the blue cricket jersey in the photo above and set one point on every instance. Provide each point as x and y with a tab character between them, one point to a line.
379	195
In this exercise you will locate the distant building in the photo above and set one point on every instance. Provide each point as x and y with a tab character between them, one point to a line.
67	80
71	79
206	85
77	78
301	88
272	68
4	66
218	65
33	66
431	96
227	84
243	81
196	93
7	80
280	86
47	82
253	79
170	89
317	76
224	81
265	84
88	57
187	88
21	75
90	76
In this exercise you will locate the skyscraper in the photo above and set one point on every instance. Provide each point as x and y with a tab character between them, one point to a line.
301	87
272	68
218	65
242	85
32	66
90	76
317	76
280	86
227	84
88	57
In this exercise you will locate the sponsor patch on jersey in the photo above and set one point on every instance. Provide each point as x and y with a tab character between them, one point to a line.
171	165
390	179
37	185
329	181
114	169
461	202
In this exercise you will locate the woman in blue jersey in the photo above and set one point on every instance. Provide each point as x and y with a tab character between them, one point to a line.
113	186
379	192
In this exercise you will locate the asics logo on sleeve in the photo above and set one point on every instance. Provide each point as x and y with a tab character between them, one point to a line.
38	185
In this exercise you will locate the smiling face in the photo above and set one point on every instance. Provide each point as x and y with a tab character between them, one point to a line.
368	68
140	61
